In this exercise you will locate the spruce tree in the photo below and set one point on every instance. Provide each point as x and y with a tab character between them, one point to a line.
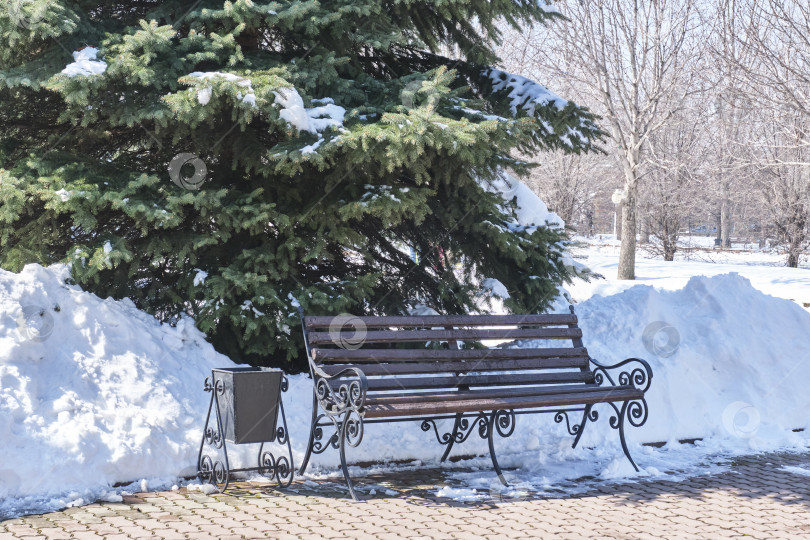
227	160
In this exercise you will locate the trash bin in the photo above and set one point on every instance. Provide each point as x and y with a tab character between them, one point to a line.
248	403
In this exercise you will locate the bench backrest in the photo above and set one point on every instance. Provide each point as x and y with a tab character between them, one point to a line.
374	345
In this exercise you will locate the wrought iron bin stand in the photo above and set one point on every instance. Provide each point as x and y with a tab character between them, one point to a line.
244	409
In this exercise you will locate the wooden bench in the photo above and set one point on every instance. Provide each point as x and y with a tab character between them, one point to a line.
433	368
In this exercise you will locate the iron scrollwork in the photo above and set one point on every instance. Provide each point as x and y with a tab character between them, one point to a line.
504	422
639	377
342	392
575	429
210	471
278	467
462	429
634	411
318	446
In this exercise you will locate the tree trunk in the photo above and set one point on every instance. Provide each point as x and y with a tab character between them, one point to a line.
617	215
627	254
718	223
725	224
793	259
645	230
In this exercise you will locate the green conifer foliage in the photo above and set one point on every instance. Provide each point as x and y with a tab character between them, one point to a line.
226	160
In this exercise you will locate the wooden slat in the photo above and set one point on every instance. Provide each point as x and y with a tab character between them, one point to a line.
461	367
452	320
489	393
557	400
401	336
364	356
475	381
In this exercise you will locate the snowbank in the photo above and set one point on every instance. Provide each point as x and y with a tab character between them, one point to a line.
730	362
92	392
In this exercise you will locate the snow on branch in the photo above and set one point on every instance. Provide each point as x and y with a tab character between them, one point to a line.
523	92
204	93
314	119
85	63
532	212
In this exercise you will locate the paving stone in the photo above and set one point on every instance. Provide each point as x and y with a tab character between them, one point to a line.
753	499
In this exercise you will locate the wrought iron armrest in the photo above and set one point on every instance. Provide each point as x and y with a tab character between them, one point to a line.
342	392
640	376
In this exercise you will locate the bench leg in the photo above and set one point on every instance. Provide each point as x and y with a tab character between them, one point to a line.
622	418
504	423
348	431
581	426
453	436
312	428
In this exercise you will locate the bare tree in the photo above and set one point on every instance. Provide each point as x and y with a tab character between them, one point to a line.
569	183
633	59
776	66
785	183
675	174
707	107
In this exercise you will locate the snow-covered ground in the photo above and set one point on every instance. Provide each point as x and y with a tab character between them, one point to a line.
765	269
94	392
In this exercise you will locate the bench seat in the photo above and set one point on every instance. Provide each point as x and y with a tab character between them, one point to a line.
429	403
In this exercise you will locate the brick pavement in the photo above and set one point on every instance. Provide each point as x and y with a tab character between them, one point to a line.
755	498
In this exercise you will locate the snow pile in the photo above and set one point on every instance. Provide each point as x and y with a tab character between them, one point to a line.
526	94
523	92
85	63
314	120
204	93
729	361
92	392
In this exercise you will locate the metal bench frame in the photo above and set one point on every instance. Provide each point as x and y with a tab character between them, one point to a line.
340	399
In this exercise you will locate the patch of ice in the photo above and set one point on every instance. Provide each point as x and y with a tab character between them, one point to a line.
461	494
